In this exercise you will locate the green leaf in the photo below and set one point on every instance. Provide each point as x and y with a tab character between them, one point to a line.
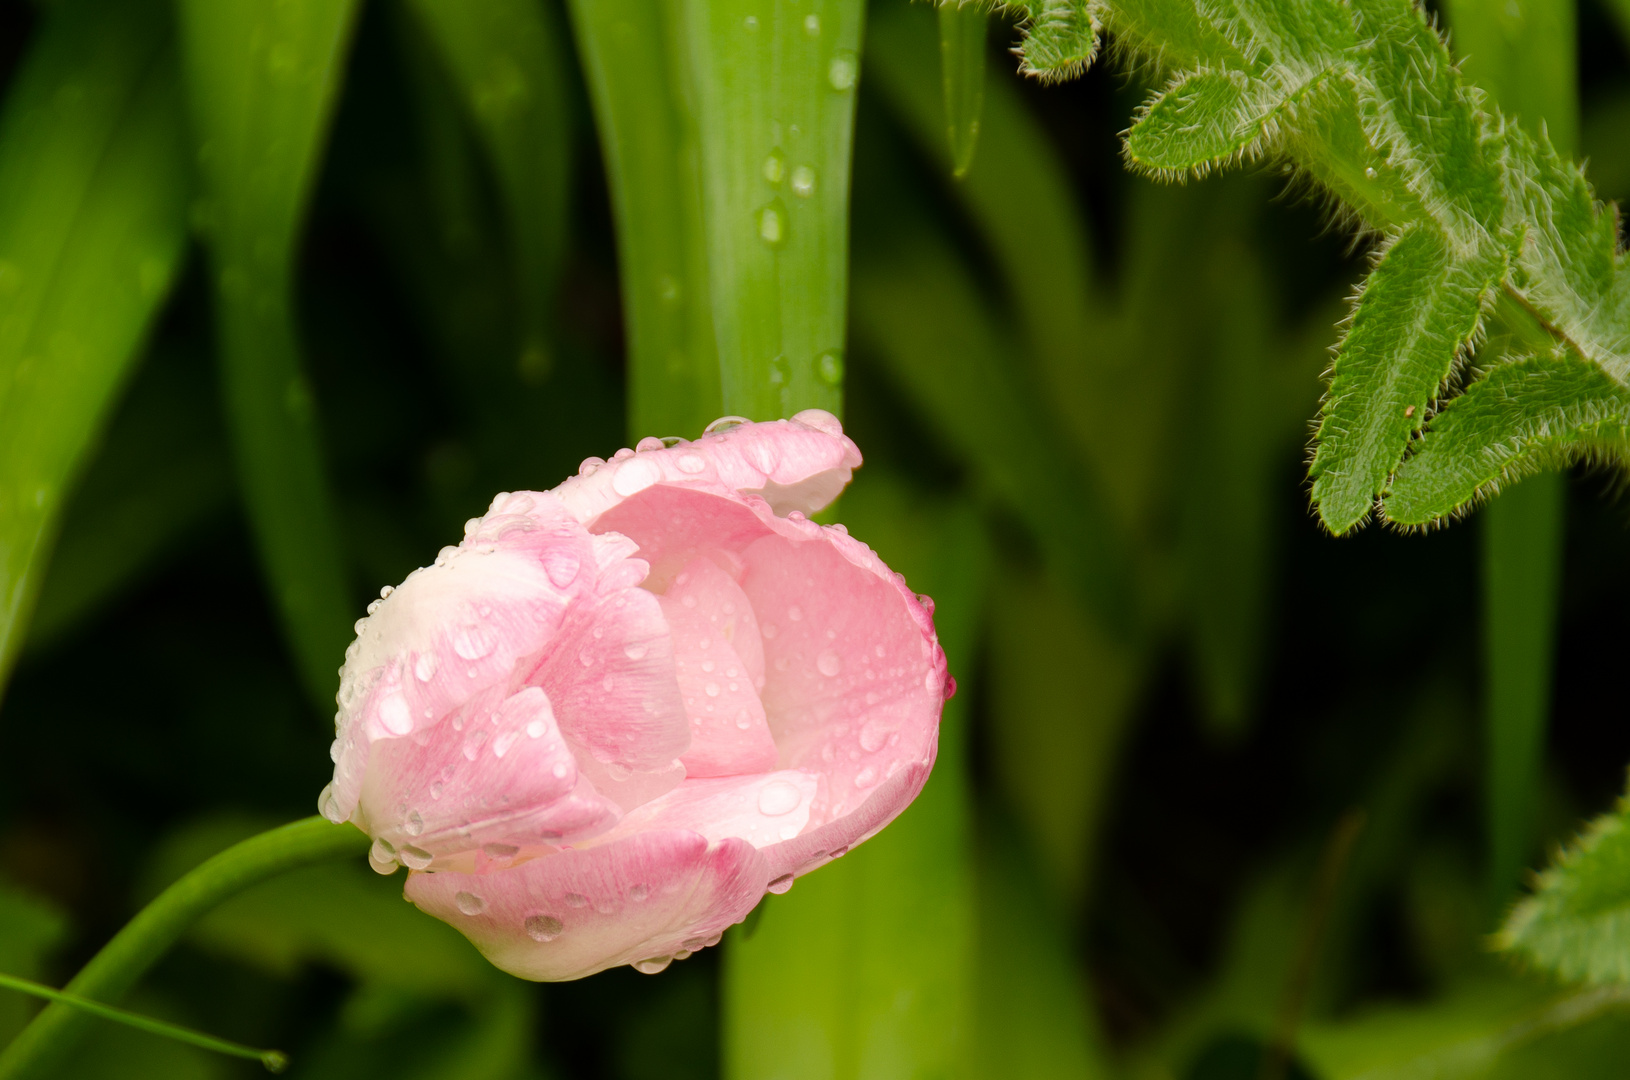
1525	416
1419	310
93	194
865	969
262	78
507	60
652	160
1060	38
1205	118
161	475
1576	926
962	72
773	99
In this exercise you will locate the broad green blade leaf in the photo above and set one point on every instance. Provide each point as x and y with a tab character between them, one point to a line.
652	160
1061	697
1206	118
507	60
1525	416
163	472
962	72
93	195
262	77
918	310
1420	308
1034	1018
1576	926
773	98
865	969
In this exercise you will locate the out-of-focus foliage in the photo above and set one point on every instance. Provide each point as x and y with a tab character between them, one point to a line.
481	241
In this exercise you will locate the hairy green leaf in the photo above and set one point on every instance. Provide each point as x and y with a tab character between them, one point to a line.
262	78
1525	416
1205	117
1577	924
93	194
1419	309
1060	37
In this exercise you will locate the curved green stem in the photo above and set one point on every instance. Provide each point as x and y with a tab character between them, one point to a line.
148	936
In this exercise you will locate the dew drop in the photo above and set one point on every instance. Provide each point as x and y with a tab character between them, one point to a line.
1371	173
866	777
436	789
708	665
576	900
751	23
469	903
769	630
829	663
830	367
474	641
559	770
812	25
590	466
654	966
415	858
803	181
394	714
775	168
424	668
535	729
543	927
635	476
781	884
778	797
561	567
691	463
873	736
711	689
414	825
501	745
842	71
638	893
772	226
795	613
635	650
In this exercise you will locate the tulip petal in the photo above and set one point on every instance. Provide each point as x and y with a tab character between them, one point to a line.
854	680
507	784
571	914
764	810
709	614
610	673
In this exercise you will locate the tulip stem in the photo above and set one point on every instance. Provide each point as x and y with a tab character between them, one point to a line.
158	926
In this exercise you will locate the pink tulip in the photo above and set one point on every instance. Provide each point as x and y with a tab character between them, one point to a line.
599	729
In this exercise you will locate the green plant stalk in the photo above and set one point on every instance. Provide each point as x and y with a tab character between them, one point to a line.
262	79
773	95
158	926
93	197
649	145
963	27
274	1060
1523	54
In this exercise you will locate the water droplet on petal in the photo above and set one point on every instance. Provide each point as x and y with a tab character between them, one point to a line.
543	927
635	476
781	884
469	903
634	650
691	463
654	966
638	893
561	567
474	641
576	900
535	729
436	790
424	668
501	745
795	613
711	689
829	663
415	858
779	797
414	824
394	714
866	777
873	736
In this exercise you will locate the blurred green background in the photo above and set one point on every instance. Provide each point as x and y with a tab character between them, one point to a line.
1130	859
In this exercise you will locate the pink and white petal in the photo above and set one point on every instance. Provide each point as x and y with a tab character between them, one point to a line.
818	846
571	914
675	525
507	780
854	679
763	810
798	464
706	611
609	671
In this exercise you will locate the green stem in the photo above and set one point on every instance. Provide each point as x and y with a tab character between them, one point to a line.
158	926
274	1060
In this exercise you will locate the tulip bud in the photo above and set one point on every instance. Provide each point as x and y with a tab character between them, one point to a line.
599	729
